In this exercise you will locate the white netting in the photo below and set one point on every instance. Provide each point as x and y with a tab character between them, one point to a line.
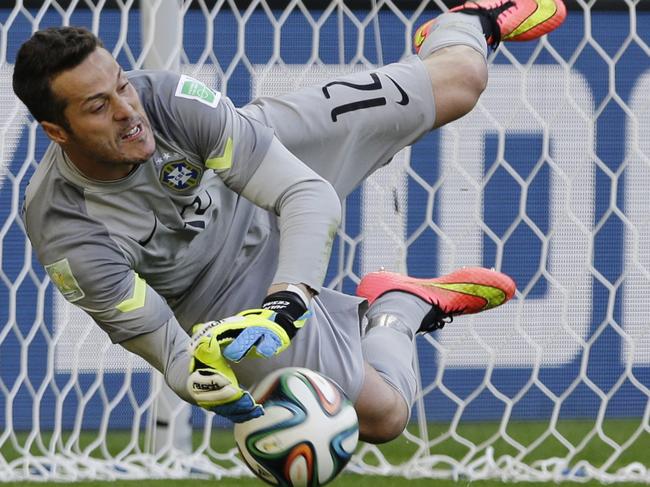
546	179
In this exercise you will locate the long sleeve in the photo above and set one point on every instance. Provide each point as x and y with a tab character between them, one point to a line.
167	350
309	213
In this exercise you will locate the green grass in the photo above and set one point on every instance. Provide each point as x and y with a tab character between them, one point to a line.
594	449
345	480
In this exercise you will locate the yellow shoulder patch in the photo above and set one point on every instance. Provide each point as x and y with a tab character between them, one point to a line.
224	161
137	299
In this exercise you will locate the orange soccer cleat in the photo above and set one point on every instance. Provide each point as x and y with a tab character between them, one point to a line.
510	20
465	291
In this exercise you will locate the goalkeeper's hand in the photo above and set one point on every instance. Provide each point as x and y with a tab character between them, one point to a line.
263	332
212	382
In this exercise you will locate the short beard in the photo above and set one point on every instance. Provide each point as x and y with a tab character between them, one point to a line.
108	162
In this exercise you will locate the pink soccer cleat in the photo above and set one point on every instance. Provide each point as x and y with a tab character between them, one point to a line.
465	291
511	20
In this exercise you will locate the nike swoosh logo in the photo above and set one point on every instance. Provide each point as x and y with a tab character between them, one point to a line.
545	10
493	296
405	98
145	241
419	38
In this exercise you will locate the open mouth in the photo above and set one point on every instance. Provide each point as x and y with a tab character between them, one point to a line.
134	133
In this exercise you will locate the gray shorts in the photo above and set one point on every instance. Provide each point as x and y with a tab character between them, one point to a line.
329	343
349	127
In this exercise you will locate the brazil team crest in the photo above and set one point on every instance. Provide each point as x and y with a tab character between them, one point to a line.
180	175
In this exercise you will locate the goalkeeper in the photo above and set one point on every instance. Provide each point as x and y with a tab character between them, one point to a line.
160	208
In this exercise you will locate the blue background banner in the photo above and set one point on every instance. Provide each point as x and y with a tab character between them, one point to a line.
26	371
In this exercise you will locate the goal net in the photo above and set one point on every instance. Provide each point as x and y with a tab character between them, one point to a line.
547	180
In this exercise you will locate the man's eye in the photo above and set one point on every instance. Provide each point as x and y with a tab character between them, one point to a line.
98	108
124	86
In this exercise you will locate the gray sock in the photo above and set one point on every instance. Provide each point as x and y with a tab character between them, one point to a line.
408	309
390	352
453	29
389	341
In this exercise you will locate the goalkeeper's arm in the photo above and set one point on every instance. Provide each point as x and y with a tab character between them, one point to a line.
197	374
309	213
166	349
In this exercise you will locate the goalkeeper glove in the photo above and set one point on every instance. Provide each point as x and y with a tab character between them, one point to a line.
263	332
212	382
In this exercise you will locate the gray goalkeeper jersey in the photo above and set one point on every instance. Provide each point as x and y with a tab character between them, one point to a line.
127	250
174	240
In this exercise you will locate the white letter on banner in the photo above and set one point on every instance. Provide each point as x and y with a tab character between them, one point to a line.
547	101
636	287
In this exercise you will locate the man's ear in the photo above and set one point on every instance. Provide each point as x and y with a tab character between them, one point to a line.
55	132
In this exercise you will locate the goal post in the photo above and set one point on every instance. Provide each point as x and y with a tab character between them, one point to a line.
546	179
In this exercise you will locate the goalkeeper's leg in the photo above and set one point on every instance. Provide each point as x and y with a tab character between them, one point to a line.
344	140
400	308
454	46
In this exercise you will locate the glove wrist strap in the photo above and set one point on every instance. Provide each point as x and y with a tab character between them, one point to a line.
297	290
288	306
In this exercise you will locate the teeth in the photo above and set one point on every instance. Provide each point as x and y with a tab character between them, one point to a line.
133	131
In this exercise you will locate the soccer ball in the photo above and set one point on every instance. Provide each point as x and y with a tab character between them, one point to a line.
307	434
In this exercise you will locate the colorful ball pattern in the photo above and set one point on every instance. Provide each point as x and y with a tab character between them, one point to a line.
307	434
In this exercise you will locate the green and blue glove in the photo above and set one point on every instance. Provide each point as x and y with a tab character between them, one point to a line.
266	331
260	332
212	382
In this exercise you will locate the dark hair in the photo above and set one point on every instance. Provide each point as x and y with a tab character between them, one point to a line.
45	55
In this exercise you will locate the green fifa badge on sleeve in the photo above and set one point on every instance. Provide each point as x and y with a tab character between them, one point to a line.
62	277
193	89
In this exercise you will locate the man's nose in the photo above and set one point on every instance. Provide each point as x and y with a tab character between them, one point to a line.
123	109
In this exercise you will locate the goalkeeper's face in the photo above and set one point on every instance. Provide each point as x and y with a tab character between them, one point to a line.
107	131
